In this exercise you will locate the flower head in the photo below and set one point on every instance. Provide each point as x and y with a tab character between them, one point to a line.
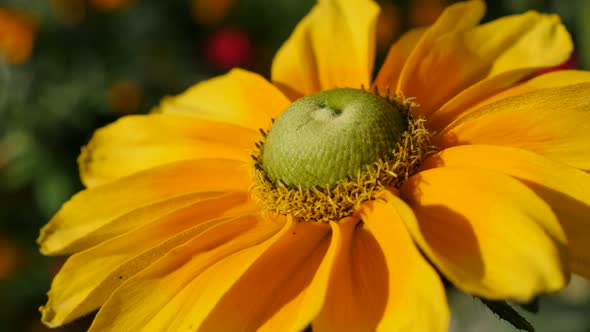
17	34
333	199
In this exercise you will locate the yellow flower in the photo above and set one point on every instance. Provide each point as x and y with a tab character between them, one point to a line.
211	12
124	97
10	258
489	185
17	33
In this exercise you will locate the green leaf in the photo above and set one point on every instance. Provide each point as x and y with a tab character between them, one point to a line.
505	312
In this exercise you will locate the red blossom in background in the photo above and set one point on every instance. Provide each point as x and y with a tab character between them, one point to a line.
228	47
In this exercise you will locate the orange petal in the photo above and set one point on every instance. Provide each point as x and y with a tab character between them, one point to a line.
96	214
397	56
564	188
17	35
299	312
212	261
454	60
240	98
272	290
139	142
416	78
553	122
487	233
333	46
88	278
499	87
380	282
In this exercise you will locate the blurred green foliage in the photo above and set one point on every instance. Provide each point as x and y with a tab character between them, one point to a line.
71	85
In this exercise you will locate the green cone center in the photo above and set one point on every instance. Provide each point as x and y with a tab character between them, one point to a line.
324	138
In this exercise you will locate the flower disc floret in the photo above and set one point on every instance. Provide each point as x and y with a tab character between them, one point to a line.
326	137
329	152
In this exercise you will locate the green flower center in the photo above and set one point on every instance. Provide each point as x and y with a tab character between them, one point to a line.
330	152
329	136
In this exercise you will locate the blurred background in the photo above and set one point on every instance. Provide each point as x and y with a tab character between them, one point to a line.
68	67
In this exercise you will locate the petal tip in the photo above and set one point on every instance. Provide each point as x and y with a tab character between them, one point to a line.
48	316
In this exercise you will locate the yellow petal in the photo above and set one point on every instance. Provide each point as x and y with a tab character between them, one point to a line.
498	88
272	288
98	213
333	46
564	188
458	59
380	282
88	278
532	40
416	78
397	56
553	122
299	312
210	261
487	233
139	142
240	98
